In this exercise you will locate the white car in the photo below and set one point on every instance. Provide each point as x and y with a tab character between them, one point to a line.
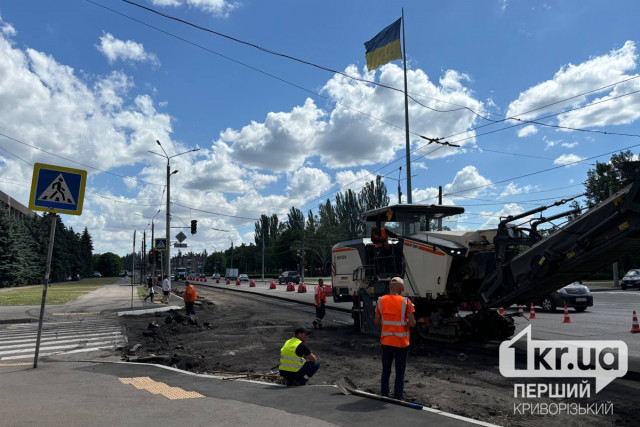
243	278
215	276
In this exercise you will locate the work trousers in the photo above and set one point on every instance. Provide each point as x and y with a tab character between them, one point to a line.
389	354
320	312
298	378
188	306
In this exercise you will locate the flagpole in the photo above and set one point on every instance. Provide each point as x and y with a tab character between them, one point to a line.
406	113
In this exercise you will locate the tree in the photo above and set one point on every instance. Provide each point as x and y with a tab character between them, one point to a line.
349	214
373	195
295	219
109	264
605	176
214	263
574	205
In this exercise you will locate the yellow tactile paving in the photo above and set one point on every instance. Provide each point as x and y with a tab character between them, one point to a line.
4	365
155	387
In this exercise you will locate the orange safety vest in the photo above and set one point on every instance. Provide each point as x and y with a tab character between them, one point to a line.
190	294
319	296
395	328
381	237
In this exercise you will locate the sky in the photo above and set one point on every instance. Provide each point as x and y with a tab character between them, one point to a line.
92	84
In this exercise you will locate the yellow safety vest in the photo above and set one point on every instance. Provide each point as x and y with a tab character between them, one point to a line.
289	360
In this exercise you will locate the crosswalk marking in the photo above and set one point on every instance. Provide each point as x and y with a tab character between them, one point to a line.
58	338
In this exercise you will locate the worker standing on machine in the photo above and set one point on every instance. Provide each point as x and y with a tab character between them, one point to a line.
395	314
319	300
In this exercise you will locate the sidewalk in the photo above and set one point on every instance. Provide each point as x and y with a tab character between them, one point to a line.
106	299
81	393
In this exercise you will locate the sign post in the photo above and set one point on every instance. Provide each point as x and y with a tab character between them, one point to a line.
57	190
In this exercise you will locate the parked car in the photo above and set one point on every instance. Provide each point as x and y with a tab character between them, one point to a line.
289	276
215	276
97	274
75	277
574	295
631	279
202	275
243	278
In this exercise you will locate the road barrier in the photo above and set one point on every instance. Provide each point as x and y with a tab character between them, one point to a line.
302	288
634	326
272	285
532	312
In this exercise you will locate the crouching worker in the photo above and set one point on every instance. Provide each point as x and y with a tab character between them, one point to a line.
297	363
190	297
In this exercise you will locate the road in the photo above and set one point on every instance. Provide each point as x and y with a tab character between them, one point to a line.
608	319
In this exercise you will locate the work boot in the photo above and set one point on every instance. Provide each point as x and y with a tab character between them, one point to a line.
320	325
315	325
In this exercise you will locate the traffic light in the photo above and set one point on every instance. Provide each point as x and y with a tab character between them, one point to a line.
194	226
158	255
152	254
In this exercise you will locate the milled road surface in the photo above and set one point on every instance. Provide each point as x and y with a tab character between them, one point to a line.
246	333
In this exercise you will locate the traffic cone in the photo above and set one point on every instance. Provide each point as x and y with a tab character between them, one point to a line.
634	327
302	288
501	311
238	282
520	311
205	280
217	280
272	285
567	319
228	282
252	284
532	312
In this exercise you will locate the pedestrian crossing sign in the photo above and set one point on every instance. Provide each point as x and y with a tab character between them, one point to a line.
161	244
57	189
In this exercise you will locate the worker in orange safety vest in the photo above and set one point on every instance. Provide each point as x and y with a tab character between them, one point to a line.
190	296
319	300
395	314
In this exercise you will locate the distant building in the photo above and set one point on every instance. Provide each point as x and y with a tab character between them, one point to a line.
16	209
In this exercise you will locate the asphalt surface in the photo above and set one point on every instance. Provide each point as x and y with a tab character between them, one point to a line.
84	385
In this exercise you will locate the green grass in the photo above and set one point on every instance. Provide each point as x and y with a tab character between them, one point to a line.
142	291
58	293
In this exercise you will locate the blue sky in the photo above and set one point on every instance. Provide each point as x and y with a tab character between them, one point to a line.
99	86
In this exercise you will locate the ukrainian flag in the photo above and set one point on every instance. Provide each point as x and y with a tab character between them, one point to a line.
384	47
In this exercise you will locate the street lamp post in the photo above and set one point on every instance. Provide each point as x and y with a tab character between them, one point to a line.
168	221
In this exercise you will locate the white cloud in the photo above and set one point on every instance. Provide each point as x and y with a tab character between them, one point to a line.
344	137
7	29
573	80
567	159
569	144
513	188
527	130
308	183
281	143
467	183
115	49
220	8
348	179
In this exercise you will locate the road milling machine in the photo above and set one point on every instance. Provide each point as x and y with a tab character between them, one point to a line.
481	270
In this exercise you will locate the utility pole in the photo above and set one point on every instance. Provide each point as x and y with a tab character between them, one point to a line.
133	265
440	203
144	257
399	188
302	272
153	260
615	264
263	237
168	221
